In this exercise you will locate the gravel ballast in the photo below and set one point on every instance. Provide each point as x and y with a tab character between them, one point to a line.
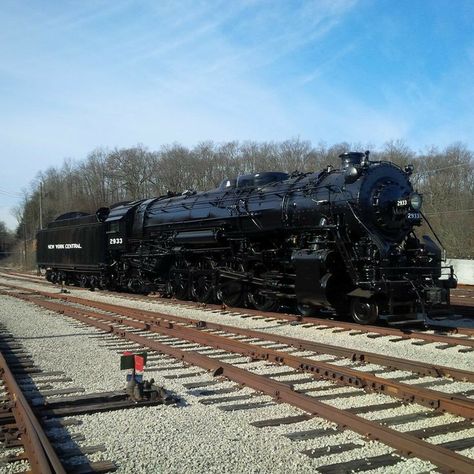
192	437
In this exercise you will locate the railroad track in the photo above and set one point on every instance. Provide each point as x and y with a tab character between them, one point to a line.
462	300
38	453
320	323
23	424
466	344
188	341
462	338
21	274
464	308
463	295
34	405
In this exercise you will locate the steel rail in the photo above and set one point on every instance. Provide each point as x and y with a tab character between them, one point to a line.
326	323
332	323
41	455
404	443
433	370
384	331
336	324
23	275
439	401
406	333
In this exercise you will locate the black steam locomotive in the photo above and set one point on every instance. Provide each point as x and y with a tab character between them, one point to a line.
339	239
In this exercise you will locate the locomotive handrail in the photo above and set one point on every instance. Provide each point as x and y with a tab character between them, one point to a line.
436	236
250	215
414	268
341	245
340	242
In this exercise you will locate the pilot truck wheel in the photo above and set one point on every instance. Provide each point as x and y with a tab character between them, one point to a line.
364	311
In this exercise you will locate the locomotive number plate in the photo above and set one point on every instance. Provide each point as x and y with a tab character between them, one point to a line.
116	241
414	216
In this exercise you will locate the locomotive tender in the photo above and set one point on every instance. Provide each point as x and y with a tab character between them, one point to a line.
340	239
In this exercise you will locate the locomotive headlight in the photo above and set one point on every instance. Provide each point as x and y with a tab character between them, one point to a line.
415	201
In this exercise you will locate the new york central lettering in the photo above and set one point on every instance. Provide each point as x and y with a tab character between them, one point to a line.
64	246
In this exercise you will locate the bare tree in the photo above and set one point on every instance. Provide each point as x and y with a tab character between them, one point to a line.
444	177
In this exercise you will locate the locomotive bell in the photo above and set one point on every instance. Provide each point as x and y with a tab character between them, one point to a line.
351	174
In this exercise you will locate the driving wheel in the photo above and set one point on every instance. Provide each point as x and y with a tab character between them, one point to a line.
202	286
178	282
232	291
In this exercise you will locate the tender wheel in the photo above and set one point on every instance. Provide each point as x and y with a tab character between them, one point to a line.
364	311
178	283
202	285
94	282
84	281
103	282
232	292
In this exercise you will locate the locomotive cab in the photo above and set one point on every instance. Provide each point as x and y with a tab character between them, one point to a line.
118	226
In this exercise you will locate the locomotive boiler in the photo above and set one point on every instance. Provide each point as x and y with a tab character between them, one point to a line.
339	239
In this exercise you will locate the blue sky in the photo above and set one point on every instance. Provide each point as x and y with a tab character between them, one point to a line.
76	75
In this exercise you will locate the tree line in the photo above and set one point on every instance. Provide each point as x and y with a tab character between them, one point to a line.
445	177
7	241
